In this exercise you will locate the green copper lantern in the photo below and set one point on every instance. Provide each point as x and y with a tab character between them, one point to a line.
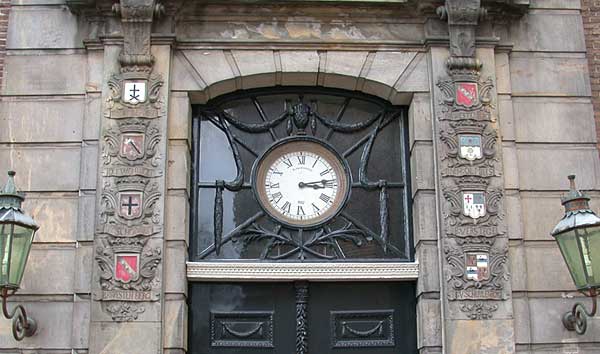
578	237
16	235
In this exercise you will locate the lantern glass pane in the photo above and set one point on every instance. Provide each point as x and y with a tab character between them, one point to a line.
590	237
569	248
5	243
22	239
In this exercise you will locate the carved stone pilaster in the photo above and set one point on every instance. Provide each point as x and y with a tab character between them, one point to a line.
474	239
129	231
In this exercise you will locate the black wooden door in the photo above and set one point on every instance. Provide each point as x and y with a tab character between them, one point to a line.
302	318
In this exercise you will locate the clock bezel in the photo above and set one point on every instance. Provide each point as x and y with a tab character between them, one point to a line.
291	144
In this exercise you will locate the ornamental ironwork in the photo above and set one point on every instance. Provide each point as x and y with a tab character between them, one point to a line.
357	141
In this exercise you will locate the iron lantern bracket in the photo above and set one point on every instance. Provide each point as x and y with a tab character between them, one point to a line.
576	319
22	326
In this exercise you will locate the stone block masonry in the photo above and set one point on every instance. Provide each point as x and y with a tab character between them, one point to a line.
590	12
4	13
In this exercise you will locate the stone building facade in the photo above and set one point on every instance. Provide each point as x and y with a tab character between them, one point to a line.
512	73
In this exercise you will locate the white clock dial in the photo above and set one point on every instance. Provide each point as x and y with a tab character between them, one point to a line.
301	185
301	182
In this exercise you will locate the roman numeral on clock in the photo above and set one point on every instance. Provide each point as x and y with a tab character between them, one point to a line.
301	159
315	208
300	211
286	207
325	198
287	162
276	197
325	172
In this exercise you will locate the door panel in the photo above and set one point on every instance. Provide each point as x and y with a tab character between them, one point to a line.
242	318
301	318
365	318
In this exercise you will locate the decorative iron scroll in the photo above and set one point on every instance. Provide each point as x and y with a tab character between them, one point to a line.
280	241
301	317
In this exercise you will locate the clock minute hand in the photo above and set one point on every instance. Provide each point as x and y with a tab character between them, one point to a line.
313	185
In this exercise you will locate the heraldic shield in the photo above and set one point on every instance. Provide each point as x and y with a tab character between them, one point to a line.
132	146
130	205
474	204
470	147
134	92
466	94
127	267
477	266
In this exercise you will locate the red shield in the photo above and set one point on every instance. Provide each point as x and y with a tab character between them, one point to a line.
126	267
132	146
466	94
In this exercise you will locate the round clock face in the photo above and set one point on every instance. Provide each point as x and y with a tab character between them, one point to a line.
301	182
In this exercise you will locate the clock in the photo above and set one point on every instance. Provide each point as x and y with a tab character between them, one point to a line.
301	181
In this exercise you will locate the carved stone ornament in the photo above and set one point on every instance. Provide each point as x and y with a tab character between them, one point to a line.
128	92
131	148
462	16
476	271
128	273
129	207
479	310
123	311
473	209
469	149
136	18
465	97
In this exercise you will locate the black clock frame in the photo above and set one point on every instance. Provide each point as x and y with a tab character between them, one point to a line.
290	139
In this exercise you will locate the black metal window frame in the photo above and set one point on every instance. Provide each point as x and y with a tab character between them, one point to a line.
196	184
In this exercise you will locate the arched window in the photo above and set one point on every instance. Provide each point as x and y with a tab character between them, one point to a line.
300	174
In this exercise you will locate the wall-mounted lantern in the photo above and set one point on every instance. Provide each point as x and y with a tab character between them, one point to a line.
16	235
578	237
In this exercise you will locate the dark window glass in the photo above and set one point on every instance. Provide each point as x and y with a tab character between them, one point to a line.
232	132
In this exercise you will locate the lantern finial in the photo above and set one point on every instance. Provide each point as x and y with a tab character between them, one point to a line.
10	198
574	200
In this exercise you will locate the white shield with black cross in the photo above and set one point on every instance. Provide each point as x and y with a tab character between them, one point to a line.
134	92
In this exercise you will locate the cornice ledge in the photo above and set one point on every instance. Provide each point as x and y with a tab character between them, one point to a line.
326	271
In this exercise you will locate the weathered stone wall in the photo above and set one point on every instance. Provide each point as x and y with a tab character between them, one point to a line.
590	12
547	127
49	128
4	15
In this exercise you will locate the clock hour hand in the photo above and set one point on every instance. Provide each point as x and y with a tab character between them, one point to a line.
316	185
